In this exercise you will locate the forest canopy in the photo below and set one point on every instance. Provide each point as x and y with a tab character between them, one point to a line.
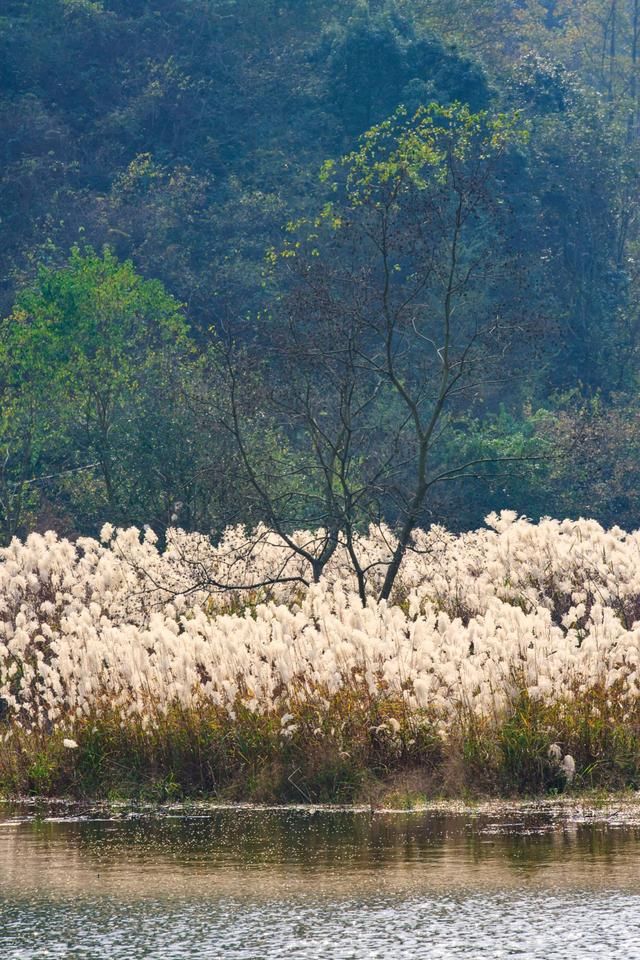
312	262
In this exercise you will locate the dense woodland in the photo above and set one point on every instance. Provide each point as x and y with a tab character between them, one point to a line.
318	263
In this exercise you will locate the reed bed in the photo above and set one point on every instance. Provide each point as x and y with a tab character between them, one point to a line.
506	662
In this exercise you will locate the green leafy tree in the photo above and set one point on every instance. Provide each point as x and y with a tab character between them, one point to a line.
75	356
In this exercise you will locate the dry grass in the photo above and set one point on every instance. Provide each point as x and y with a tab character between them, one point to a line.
347	748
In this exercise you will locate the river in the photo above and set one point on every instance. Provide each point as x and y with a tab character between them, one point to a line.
246	883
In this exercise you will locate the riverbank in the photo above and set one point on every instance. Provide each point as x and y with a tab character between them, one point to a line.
506	663
350	748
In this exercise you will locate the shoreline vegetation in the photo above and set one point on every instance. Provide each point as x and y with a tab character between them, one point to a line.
505	664
318	264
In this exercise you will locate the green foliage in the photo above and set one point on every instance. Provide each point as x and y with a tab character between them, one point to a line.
86	329
107	409
183	134
524	744
75	355
419	149
379	59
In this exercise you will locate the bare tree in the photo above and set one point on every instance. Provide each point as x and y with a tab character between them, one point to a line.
393	320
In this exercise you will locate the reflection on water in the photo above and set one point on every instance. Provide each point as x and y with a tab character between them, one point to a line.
311	884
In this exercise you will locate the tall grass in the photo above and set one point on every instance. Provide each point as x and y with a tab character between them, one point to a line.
507	662
348	748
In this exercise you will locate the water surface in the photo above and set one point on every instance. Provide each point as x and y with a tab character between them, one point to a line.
337	885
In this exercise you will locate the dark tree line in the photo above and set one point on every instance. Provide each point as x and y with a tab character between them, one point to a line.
193	314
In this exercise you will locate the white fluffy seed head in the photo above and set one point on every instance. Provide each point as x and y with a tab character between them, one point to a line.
546	608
